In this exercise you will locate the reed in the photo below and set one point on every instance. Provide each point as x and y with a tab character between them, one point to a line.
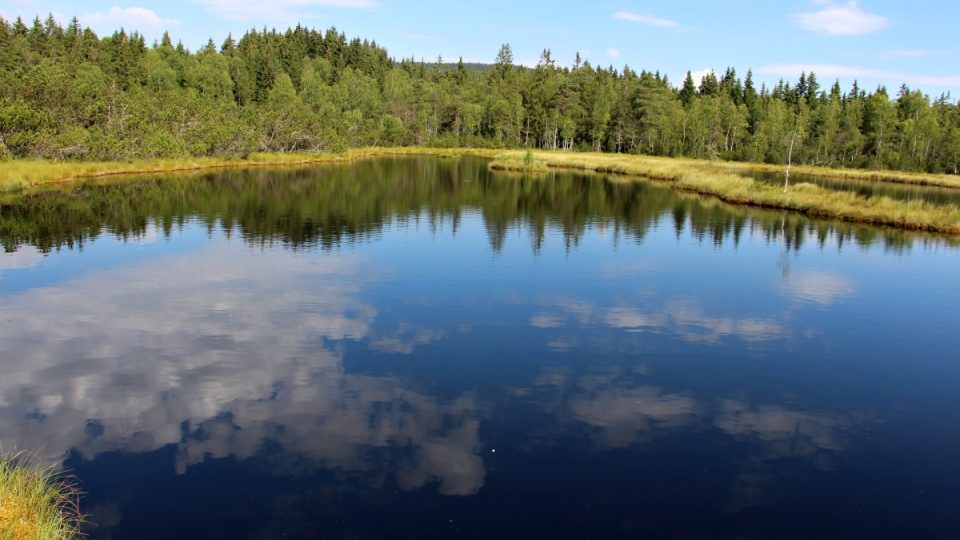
36	502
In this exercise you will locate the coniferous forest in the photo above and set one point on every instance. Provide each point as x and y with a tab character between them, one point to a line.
68	94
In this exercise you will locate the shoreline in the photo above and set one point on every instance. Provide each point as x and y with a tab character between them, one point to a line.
39	173
695	177
715	179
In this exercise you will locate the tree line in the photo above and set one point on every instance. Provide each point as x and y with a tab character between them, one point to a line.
66	93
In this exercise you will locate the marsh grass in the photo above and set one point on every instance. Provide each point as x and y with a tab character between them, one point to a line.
698	177
717	179
17	175
528	163
36	502
21	174
895	177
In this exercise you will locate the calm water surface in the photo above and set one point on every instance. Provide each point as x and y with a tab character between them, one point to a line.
416	348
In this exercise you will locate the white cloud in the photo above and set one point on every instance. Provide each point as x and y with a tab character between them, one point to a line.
862	73
699	75
911	53
131	18
275	10
841	19
613	53
648	20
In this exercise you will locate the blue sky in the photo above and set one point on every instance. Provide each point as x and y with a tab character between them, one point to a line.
875	41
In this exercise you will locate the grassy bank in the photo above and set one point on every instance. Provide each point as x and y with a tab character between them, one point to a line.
19	174
694	176
22	174
35	502
718	179
896	177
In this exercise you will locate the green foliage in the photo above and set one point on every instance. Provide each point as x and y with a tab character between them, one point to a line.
67	94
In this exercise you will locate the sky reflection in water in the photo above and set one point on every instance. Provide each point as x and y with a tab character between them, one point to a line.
474	363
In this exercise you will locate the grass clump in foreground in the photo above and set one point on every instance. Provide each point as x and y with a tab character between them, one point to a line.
36	502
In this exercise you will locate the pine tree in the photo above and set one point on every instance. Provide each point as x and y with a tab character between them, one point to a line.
504	57
709	85
689	90
461	71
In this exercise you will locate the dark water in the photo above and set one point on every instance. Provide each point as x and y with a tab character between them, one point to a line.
867	188
415	348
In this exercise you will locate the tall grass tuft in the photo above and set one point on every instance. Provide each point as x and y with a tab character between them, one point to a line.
36	502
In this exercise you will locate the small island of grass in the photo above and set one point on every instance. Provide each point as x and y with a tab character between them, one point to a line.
526	163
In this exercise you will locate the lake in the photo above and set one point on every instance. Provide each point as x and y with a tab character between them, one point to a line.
417	347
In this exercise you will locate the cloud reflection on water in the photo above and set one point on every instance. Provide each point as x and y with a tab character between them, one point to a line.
823	288
218	353
23	257
221	354
622	407
682	317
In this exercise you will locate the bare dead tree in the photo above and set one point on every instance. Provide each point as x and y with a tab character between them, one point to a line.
793	141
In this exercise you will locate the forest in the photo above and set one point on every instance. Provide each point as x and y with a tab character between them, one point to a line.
69	94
